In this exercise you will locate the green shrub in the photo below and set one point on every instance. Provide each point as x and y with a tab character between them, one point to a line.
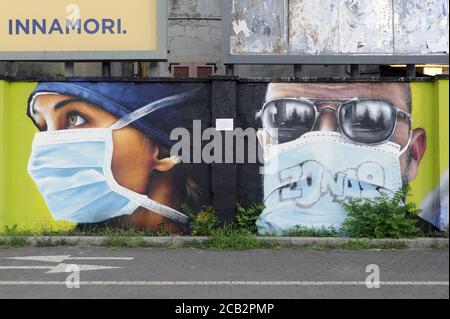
204	222
246	217
382	217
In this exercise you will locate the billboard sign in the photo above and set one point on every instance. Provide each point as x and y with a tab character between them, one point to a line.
83	30
336	32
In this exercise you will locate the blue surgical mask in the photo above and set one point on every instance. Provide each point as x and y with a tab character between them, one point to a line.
305	180
72	170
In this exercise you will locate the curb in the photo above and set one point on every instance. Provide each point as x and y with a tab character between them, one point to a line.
419	243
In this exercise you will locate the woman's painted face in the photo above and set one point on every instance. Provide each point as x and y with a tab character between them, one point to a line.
134	157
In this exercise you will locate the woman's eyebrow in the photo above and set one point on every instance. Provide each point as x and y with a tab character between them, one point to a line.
61	104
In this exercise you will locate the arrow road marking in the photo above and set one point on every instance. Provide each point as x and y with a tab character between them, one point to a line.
23	267
60	259
60	268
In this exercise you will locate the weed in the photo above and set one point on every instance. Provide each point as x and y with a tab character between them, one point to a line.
303	231
11	242
231	238
246	217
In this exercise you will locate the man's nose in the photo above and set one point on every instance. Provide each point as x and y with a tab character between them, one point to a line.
327	120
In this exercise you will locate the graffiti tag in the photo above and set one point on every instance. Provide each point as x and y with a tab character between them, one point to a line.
309	181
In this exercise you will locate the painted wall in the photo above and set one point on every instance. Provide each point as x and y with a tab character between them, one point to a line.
145	166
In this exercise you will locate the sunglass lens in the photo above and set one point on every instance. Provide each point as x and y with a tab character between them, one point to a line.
368	121
287	120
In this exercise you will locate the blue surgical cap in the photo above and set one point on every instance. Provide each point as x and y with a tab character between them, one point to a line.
122	98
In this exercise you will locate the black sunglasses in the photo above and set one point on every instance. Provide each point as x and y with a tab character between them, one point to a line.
367	121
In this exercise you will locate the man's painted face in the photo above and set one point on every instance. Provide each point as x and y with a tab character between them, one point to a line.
331	143
327	119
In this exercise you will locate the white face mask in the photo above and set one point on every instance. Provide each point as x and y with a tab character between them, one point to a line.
72	169
304	180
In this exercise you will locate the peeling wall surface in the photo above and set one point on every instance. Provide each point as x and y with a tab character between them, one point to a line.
366	27
312	33
421	26
257	26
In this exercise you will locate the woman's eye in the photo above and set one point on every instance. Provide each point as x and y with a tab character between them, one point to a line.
75	120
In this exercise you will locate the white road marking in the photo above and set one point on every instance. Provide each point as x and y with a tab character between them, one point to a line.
101	258
225	283
60	268
59	259
54	259
24	267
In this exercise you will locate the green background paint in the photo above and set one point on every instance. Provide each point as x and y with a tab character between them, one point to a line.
430	111
22	204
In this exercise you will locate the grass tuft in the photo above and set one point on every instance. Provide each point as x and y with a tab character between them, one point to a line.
13	242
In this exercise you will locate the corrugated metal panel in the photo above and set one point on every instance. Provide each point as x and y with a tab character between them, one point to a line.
257	26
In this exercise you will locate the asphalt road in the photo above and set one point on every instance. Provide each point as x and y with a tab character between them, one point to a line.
198	274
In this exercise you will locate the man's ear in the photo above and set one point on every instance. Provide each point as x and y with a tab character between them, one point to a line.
165	164
417	151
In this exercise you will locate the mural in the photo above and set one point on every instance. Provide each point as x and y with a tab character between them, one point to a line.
101	156
326	143
98	154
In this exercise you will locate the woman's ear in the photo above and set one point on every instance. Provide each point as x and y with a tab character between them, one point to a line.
165	164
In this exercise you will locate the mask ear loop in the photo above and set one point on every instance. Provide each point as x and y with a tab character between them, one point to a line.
153	107
408	144
144	201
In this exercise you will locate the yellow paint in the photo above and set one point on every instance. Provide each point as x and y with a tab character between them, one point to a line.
430	111
4	87
443	95
22	204
139	19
